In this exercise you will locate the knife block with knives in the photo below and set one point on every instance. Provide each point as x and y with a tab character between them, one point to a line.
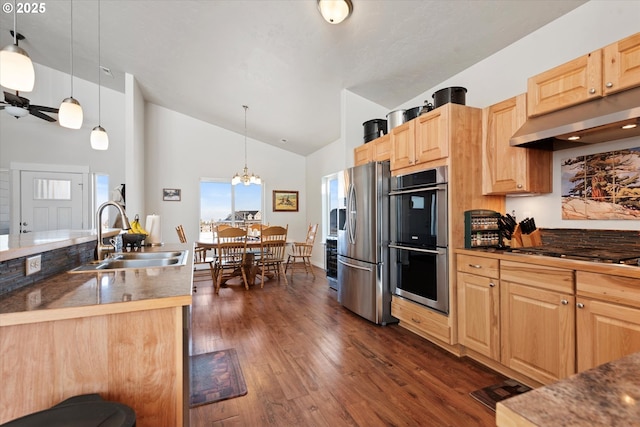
530	234
522	234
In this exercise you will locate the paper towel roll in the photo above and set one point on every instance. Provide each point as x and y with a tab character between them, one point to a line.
155	231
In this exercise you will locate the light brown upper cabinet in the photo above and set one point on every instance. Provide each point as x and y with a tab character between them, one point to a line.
421	140
377	150
622	64
608	70
362	154
569	84
507	169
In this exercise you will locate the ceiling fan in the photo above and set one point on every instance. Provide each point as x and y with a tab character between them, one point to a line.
19	106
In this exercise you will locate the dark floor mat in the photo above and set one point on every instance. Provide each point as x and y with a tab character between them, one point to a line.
216	376
491	395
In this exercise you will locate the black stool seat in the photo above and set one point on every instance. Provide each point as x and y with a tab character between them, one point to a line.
88	410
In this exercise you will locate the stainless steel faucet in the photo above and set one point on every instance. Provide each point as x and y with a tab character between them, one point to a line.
103	248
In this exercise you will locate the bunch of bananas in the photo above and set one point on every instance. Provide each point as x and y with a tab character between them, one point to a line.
136	228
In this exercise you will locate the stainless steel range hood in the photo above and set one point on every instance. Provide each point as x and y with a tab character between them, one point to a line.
595	121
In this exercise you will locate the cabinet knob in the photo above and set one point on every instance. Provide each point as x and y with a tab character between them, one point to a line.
592	91
415	320
492	285
564	302
609	85
475	266
580	305
519	185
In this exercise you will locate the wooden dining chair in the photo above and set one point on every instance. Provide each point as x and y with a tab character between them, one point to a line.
256	229
273	242
217	227
230	250
300	254
199	253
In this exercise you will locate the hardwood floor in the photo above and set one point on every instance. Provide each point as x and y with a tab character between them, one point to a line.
307	361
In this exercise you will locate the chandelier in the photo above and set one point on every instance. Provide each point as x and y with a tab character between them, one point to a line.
245	178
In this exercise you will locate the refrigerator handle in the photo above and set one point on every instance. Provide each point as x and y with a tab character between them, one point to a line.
354	266
351	214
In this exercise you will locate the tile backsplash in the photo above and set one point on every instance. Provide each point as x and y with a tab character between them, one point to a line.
611	239
12	272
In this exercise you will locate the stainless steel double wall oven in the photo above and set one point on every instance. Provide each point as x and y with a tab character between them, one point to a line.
418	244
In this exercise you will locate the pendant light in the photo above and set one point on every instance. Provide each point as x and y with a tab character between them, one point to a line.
245	178
70	112
335	11
16	68
99	137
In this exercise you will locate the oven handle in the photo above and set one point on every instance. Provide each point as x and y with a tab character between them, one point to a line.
407	248
354	266
418	190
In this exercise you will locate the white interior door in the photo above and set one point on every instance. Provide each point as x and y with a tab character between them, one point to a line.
50	201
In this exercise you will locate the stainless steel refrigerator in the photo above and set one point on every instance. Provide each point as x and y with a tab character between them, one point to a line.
363	252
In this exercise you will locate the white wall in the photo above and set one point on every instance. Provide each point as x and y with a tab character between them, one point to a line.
355	111
33	140
181	150
504	74
134	158
326	161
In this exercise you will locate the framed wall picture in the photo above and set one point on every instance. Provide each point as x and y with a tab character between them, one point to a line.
171	194
285	201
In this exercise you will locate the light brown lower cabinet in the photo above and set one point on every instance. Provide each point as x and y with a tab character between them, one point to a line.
479	305
538	332
537	314
609	326
544	322
420	320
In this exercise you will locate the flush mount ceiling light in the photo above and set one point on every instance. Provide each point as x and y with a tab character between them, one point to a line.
16	68
99	137
16	112
245	178
70	113
335	11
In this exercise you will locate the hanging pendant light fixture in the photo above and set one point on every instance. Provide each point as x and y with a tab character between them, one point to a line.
16	68
335	11
70	111
99	137
245	178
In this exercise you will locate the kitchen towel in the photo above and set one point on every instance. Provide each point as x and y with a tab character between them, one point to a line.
152	226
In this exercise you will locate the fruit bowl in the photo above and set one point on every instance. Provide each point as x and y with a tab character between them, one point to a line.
133	240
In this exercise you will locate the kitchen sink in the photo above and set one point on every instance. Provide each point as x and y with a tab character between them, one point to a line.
128	260
149	255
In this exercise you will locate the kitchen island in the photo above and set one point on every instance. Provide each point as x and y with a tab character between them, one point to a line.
120	333
608	395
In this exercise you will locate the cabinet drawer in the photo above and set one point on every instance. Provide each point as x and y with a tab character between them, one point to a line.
621	290
540	276
418	319
487	267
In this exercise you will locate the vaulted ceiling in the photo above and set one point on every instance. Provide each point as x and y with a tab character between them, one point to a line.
206	59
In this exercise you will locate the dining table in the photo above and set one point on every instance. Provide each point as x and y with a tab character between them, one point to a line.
249	263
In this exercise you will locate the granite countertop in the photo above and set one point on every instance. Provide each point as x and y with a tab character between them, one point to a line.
74	295
18	245
607	395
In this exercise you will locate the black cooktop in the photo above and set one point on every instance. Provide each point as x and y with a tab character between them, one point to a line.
607	255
